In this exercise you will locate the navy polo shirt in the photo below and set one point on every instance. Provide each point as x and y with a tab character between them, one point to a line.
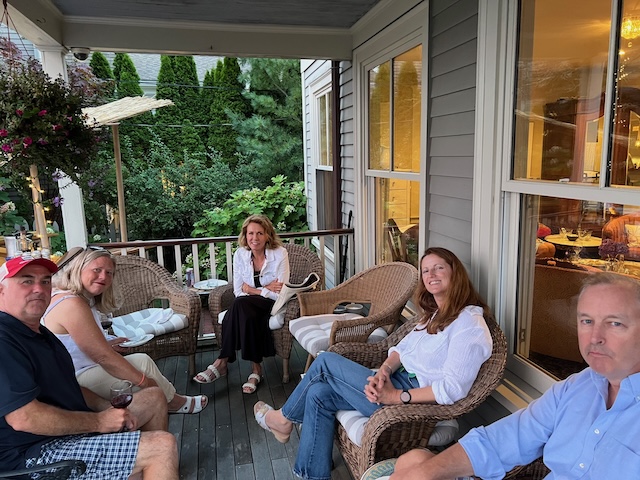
33	366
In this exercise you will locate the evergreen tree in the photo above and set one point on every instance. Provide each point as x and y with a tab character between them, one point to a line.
166	118
190	140
227	101
102	70
270	141
128	85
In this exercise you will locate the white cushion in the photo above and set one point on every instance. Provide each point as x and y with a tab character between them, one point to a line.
633	235
151	320
312	332
275	321
354	422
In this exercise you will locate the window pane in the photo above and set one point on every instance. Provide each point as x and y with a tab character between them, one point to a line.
561	80
397	222
625	151
379	115
553	263
322	126
407	97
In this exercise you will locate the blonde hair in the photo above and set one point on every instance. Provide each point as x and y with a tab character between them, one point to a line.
70	278
273	240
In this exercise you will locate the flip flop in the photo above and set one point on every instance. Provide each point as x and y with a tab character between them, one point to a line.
251	387
211	374
194	404
260	410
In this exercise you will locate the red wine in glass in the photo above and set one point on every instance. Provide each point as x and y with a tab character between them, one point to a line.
121	401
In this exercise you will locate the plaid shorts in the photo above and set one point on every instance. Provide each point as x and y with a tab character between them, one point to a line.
108	456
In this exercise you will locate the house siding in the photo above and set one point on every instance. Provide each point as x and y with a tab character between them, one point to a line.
452	54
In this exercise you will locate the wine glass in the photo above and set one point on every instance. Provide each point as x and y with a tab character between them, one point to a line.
106	320
121	394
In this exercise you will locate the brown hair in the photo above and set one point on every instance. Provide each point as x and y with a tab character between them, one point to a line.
273	240
461	294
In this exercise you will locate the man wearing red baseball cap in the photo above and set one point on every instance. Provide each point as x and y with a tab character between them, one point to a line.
45	416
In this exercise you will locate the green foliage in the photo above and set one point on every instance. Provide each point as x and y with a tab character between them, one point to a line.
9	217
102	70
271	139
283	202
126	75
225	100
170	196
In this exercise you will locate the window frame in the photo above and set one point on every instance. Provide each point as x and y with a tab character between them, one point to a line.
406	33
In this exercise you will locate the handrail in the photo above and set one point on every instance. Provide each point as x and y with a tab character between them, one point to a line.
315	239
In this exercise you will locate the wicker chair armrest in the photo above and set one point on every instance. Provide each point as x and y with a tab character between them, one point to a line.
320	301
403	416
220	299
359	329
182	301
61	470
371	355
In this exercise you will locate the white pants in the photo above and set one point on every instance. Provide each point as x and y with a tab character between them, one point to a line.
99	381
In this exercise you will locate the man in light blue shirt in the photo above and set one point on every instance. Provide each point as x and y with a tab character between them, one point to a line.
585	427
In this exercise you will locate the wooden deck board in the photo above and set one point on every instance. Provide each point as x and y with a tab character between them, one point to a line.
224	442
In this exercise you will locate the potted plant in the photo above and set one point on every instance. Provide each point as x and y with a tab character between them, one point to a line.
42	128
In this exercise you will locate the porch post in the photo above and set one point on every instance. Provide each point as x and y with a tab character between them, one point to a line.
52	59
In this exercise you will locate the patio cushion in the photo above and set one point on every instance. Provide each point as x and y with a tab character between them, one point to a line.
275	321
353	422
156	321
312	332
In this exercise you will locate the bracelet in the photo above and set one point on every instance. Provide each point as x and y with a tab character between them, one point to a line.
141	381
387	365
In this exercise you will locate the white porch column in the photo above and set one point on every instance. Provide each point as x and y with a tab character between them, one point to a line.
52	59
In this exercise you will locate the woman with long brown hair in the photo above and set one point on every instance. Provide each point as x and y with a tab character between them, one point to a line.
437	362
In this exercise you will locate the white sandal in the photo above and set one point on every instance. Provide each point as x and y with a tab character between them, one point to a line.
193	404
251	387
211	374
260	410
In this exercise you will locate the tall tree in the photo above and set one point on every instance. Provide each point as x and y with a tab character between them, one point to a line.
128	85
227	100
270	140
102	70
168	117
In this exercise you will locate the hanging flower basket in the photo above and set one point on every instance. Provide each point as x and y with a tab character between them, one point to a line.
41	121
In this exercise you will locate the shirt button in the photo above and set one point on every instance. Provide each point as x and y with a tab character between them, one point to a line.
596	431
581	465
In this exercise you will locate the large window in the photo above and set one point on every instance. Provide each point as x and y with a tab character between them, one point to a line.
576	146
322	109
394	124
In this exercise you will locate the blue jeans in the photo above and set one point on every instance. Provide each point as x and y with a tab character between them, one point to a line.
332	383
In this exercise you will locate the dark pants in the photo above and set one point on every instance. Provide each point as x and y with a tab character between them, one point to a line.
246	328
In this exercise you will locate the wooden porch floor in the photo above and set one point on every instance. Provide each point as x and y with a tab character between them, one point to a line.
224	442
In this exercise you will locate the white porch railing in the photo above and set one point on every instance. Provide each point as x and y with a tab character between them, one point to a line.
330	246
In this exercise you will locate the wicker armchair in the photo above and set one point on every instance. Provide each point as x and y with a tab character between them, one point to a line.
60	470
395	429
387	287
536	470
302	262
139	282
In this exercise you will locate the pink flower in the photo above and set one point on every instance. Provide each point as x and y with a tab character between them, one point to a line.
7	148
27	141
16	141
42	141
19	112
57	127
3	133
42	113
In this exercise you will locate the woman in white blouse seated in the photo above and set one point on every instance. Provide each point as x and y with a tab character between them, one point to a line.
435	363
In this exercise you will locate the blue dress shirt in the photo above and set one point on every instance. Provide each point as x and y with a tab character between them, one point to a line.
571	428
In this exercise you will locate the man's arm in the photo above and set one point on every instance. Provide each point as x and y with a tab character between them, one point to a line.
424	465
42	419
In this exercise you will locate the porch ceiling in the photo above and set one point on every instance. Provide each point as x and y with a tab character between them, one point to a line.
286	28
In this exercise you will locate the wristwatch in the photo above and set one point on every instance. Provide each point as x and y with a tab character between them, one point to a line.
405	396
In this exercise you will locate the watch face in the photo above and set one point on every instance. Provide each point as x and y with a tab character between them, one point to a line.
405	397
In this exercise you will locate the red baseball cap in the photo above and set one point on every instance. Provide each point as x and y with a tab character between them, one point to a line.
11	267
